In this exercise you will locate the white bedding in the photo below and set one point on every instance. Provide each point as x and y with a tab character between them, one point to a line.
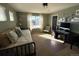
27	35
24	39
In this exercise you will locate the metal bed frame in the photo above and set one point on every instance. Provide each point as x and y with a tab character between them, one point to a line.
28	49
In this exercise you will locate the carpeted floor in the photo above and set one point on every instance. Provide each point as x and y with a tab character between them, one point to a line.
46	45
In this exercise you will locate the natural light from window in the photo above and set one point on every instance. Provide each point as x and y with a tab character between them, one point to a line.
36	21
11	16
2	14
48	36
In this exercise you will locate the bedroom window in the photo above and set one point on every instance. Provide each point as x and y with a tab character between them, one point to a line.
36	21
11	14
2	14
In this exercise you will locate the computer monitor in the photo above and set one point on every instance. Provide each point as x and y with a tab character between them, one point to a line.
65	25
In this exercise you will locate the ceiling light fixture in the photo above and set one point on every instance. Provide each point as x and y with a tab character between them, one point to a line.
45	5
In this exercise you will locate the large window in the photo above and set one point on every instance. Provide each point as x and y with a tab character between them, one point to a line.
11	15
35	21
2	14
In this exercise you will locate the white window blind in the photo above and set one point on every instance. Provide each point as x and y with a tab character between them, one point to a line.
2	14
11	14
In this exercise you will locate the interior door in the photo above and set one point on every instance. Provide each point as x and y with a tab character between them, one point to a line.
54	22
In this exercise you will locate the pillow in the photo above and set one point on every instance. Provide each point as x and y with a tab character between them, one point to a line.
4	40
18	28
12	36
18	32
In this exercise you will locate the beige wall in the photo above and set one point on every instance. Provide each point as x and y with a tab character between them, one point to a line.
47	18
67	13
4	25
22	17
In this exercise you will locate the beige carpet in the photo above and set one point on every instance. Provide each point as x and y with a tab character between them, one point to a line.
46	45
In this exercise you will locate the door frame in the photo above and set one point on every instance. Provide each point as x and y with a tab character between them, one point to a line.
51	22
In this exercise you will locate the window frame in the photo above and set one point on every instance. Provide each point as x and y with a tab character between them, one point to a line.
35	18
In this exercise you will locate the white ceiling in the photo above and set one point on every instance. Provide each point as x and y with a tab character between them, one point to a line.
38	7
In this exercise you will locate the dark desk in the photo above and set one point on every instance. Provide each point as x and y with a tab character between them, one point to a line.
62	32
69	37
74	38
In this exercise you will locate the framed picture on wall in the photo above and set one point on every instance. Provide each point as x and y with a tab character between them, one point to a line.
77	12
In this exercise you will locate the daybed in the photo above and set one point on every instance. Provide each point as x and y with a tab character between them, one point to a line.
23	46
